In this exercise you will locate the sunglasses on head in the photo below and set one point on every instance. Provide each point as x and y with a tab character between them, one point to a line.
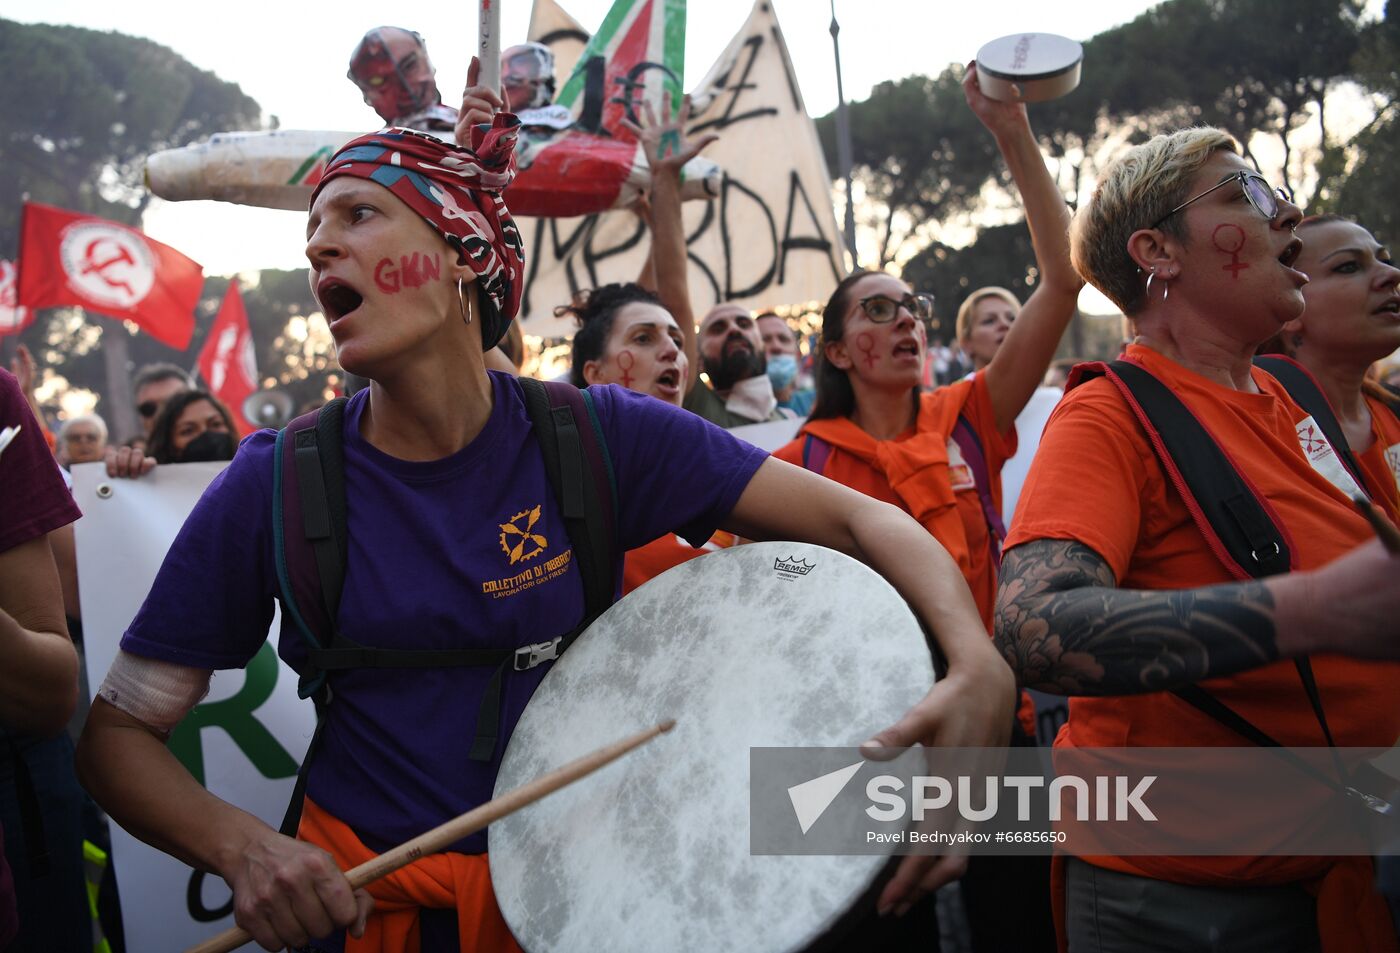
882	308
148	408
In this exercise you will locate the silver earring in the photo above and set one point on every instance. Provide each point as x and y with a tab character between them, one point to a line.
1166	289
1147	292
462	303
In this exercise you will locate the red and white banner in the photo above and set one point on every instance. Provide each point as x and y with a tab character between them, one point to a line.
13	318
227	361
72	259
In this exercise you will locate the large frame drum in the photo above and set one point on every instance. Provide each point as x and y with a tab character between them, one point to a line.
762	645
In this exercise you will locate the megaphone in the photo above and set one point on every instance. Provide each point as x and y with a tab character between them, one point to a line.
268	408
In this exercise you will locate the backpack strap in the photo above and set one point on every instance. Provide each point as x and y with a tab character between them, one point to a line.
1308	394
976	459
1240	527
1237	523
815	452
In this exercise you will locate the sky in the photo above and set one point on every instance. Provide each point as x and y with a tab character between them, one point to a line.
292	57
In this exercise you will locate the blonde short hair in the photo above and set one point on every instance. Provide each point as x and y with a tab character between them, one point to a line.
1140	187
963	326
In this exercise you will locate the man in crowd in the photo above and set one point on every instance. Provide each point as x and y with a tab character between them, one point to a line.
153	385
784	361
731	352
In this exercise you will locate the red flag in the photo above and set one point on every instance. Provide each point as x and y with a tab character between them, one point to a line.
99	265
227	362
13	318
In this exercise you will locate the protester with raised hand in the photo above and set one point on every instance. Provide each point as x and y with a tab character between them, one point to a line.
438	454
1111	588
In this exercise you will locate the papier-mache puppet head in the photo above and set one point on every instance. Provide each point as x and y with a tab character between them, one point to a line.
527	73
391	67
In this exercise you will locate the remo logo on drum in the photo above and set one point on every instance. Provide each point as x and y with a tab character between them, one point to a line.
790	568
107	264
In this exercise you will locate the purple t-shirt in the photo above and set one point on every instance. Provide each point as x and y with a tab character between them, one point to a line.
37	502
441	555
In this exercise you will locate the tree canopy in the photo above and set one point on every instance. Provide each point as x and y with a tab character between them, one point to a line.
1265	70
75	132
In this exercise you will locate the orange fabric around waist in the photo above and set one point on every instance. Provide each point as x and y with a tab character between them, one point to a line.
437	881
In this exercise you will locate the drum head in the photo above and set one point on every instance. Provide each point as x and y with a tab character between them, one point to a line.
1029	67
762	645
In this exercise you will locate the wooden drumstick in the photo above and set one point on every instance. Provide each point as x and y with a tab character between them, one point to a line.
459	827
1385	529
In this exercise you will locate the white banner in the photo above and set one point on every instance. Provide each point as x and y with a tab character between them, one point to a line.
769	239
244	741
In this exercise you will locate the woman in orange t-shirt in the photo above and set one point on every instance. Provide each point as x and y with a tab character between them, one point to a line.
872	429
1109	588
1352	320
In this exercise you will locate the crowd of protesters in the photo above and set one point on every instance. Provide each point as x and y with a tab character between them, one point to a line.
1108	586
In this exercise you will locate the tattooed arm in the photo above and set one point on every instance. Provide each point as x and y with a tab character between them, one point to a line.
1064	627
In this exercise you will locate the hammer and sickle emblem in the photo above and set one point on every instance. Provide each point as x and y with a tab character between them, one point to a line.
91	264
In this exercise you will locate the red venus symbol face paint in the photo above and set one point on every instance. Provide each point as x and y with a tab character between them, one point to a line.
1229	239
625	362
866	342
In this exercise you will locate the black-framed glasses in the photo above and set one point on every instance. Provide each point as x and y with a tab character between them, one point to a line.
1263	196
882	309
147	408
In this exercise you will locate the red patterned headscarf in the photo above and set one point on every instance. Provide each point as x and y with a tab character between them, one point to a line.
458	192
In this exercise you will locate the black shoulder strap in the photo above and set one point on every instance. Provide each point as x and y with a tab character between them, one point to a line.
319	457
1306	393
579	469
1226	509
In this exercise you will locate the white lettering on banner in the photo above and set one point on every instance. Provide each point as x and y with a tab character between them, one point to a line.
1323	459
122	539
1392	457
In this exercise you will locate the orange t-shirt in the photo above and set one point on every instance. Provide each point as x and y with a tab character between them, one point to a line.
943	476
649	561
1096	480
1380	464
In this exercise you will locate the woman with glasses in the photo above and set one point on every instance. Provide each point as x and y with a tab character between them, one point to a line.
938	456
1112	593
872	429
1351	321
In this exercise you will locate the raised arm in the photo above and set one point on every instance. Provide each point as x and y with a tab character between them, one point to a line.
1064	627
667	150
1021	361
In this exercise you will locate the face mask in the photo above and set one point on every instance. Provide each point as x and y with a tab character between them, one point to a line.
210	445
781	370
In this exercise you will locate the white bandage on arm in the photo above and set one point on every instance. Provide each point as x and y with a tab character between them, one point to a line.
157	694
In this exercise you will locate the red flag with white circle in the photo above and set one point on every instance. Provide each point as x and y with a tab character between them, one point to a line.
13	318
227	362
102	266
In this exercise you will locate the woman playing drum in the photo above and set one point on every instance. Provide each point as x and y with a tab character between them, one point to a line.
417	265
